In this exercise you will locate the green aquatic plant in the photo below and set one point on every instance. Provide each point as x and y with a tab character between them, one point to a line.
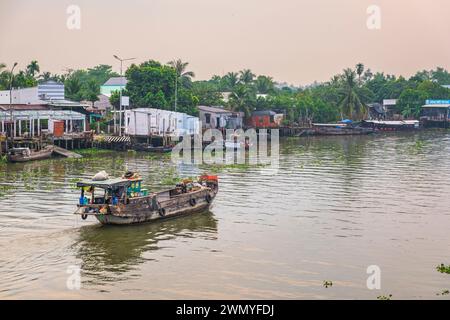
417	147
442	268
93	152
216	168
383	297
3	159
443	293
327	283
4	189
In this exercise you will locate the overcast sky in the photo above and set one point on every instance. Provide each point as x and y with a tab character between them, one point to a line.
298	41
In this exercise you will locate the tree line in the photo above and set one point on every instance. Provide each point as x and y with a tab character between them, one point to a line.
171	86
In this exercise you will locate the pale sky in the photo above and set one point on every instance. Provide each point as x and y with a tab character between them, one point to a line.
297	41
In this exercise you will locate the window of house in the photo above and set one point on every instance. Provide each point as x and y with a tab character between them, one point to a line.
207	118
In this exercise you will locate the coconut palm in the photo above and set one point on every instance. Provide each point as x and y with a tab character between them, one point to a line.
45	76
359	70
246	76
180	68
241	98
33	68
232	80
351	103
181	74
264	84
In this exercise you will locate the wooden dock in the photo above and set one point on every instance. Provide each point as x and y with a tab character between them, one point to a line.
66	153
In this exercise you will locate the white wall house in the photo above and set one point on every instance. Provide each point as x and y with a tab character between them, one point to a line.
50	90
149	121
20	96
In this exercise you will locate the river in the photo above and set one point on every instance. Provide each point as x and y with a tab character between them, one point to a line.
336	206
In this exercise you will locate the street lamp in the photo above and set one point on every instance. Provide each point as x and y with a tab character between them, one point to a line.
120	99
10	102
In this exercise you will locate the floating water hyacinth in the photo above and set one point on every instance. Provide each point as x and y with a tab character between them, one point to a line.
443	268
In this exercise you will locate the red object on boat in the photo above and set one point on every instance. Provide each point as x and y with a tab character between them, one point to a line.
210	178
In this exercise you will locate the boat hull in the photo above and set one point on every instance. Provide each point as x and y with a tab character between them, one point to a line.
342	131
37	155
151	216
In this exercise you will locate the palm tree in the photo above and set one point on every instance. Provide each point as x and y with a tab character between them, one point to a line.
231	79
45	76
240	99
359	70
246	76
33	68
2	66
181	73
264	85
351	104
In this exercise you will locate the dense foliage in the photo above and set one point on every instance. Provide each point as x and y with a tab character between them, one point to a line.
170	86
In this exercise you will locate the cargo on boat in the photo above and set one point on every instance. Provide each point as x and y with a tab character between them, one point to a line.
124	201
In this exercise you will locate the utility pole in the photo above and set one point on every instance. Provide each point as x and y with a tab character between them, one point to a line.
120	99
176	89
12	133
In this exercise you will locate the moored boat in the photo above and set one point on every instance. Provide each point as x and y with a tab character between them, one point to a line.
25	154
345	127
124	201
391	125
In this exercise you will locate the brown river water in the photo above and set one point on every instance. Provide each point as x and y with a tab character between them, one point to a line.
336	206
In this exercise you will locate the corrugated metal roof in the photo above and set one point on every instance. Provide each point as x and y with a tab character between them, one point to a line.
213	109
263	113
19	107
116	81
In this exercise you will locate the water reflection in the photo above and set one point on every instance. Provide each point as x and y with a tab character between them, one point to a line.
109	253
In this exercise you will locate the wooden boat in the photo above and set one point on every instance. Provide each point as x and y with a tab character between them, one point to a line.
151	148
386	125
124	201
343	128
25	154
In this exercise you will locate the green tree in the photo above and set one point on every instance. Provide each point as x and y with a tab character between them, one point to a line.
246	76
351	104
183	76
231	80
208	93
33	68
410	102
91	91
264	85
242	98
73	86
150	84
359	70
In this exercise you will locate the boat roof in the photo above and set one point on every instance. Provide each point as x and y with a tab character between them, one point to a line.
105	184
328	124
444	105
393	122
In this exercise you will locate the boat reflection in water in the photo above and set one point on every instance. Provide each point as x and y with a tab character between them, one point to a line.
112	253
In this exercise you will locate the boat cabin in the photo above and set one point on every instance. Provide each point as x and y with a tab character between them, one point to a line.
110	191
